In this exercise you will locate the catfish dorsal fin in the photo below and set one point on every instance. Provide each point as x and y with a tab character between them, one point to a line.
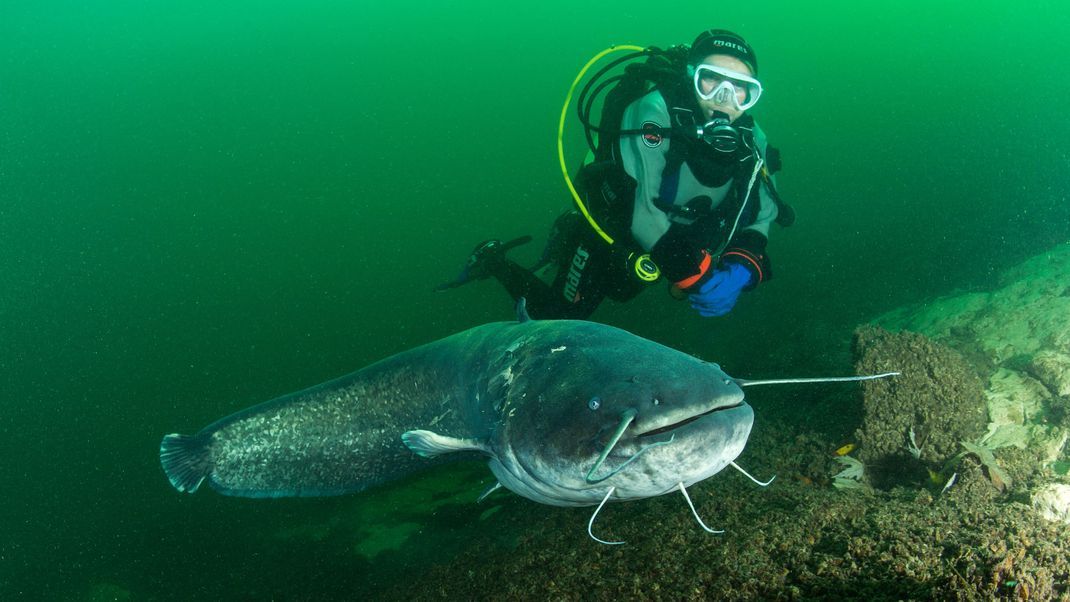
522	310
428	444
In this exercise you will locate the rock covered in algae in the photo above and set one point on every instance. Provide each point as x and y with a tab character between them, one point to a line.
1019	407
1018	337
1052	501
919	417
1019	334
1053	369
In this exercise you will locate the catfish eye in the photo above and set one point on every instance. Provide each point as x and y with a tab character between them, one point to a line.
594	403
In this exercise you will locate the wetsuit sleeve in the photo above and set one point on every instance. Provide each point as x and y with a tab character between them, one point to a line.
747	247
767	208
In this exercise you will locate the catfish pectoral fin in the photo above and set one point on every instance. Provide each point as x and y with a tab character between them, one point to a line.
428	444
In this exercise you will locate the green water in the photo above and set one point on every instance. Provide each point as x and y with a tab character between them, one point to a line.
202	208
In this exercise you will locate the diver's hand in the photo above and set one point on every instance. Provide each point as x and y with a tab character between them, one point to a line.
718	294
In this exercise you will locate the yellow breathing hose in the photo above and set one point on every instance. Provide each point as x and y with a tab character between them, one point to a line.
561	132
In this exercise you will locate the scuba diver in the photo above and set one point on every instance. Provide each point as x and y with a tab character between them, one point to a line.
678	187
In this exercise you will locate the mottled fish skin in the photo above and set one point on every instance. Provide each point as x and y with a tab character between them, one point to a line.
343	436
518	392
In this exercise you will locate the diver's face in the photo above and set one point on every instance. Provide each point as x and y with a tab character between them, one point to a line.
709	106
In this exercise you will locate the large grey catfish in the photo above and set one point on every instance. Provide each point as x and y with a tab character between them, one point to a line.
569	413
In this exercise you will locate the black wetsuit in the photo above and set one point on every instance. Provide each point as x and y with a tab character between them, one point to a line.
588	271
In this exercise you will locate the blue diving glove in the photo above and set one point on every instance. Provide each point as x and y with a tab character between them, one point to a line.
717	296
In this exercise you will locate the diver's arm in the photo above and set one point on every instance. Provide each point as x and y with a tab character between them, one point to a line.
767	208
747	247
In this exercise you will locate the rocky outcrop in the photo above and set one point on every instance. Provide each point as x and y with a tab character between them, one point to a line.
1018	339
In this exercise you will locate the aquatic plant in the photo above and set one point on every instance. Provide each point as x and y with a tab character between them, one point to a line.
997	475
851	477
912	446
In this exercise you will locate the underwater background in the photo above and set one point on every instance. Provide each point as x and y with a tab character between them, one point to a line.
204	206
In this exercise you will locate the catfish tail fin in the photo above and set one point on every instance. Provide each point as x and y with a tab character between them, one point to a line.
186	460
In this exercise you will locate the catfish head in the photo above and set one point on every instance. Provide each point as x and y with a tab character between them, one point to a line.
589	407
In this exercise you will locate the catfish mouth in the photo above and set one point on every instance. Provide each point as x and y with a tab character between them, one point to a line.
686	421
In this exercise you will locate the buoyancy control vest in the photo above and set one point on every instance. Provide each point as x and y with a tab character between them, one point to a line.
609	191
605	193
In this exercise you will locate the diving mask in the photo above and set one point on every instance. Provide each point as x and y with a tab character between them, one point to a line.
726	87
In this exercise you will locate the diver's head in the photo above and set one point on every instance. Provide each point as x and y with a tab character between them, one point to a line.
724	70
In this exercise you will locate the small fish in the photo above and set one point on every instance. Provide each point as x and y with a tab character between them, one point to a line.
846	449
